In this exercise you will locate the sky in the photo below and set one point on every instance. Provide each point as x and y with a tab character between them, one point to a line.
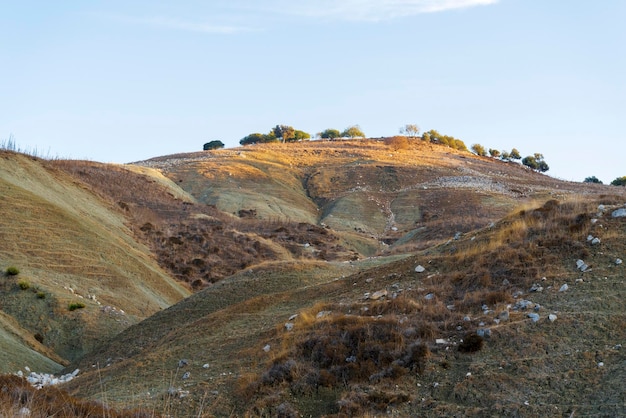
120	81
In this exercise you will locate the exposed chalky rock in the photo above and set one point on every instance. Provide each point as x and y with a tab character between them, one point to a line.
564	288
420	269
552	317
619	213
533	316
581	265
379	294
618	261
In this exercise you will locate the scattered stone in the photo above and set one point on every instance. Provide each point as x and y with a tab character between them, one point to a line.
441	341
504	316
505	282
205	366
618	261
467	318
536	288
601	208
537	307
458	236
619	213
589	238
182	363
289	326
351	359
429	296
581	265
322	314
23	412
420	269
267	348
523	304
595	241
379	294
483	332
564	288
292	317
533	316
40	380
517	294
187	375
552	317
601	364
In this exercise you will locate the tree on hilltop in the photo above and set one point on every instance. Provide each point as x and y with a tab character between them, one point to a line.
213	145
494	153
620	181
536	162
353	132
330	134
479	150
410	130
592	179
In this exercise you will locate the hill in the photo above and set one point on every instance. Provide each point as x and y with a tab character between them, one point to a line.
331	278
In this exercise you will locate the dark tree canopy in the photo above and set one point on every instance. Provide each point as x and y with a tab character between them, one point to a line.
479	150
620	181
353	132
330	134
592	179
536	162
213	145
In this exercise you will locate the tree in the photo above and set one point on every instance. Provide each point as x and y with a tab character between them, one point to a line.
433	136
353	132
536	162
494	153
330	134
410	130
515	155
257	138
301	135
592	179
620	181
479	150
284	132
213	145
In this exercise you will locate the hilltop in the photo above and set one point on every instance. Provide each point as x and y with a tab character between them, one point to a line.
319	278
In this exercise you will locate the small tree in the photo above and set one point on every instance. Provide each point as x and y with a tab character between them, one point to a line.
494	153
353	132
479	150
410	130
330	134
620	181
301	135
536	162
213	145
592	179
515	155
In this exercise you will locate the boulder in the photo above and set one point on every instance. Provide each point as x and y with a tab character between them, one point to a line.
619	213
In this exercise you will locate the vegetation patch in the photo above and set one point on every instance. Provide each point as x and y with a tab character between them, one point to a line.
12	271
72	306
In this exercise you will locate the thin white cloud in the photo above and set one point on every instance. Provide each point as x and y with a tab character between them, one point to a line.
370	10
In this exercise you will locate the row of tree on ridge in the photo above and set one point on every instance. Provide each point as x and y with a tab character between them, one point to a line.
286	133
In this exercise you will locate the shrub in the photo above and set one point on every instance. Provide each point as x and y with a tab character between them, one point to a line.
12	271
592	179
397	142
75	305
619	181
479	150
471	343
23	284
41	295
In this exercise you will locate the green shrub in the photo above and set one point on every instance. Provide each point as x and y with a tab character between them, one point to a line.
75	305
41	295
23	284
12	271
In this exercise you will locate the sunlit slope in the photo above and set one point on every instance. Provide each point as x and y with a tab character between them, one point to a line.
71	247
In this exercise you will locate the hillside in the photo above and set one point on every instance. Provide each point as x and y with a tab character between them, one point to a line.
328	278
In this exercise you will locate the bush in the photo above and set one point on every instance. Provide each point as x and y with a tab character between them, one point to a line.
213	145
23	284
75	305
620	181
41	295
397	142
12	271
592	179
479	150
471	343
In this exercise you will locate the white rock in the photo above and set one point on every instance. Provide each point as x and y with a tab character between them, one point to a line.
589	238
441	341
267	348
420	269
205	366
618	261
564	288
595	241
619	213
429	296
533	316
552	317
289	326
378	294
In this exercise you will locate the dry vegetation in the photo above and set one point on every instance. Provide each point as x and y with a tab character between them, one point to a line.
287	229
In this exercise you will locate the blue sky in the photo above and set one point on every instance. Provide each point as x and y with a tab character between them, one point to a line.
121	81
